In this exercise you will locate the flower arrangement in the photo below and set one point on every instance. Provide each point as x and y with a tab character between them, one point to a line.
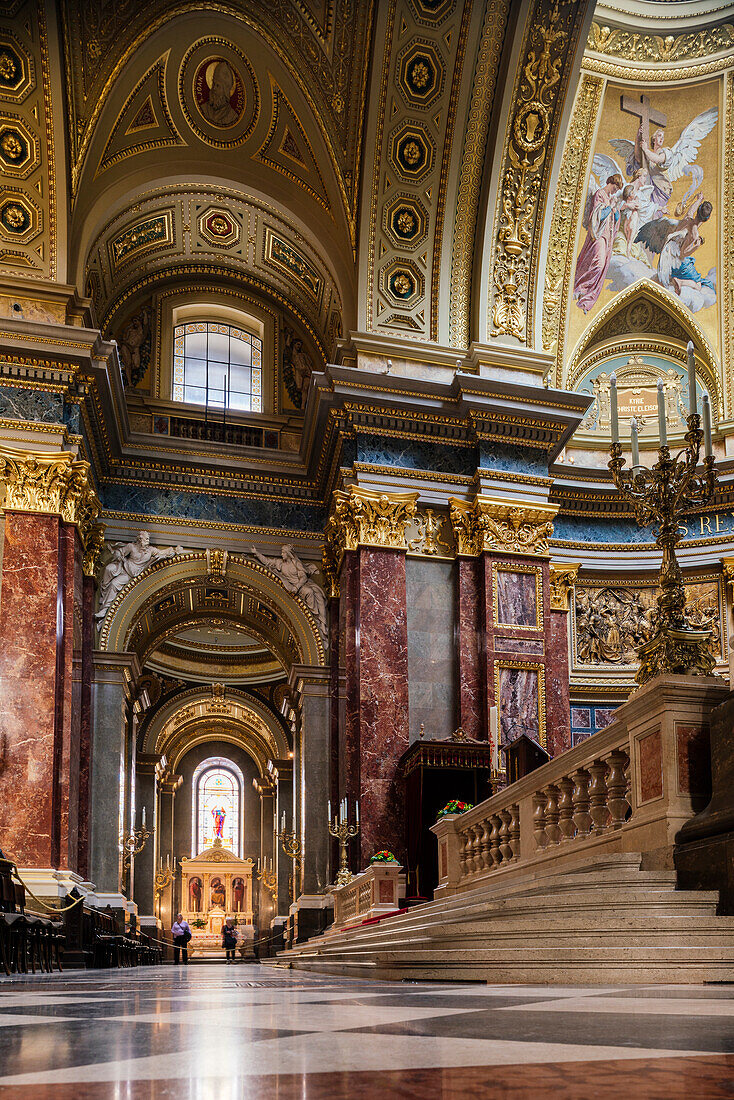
199	922
455	806
383	857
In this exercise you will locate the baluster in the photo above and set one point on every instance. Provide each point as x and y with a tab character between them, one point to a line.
515	831
505	848
469	850
580	795
551	815
464	852
566	826
494	841
476	848
541	838
617	788
485	857
598	796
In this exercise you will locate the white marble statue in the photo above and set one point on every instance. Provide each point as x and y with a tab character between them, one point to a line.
298	579
128	561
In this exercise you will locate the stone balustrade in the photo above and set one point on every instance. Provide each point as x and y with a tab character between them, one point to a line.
628	788
374	892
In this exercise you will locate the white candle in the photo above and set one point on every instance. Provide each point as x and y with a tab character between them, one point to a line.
692	403
328	812
356	811
258	864
707	446
615	413
635	443
662	426
282	823
168	861
143	816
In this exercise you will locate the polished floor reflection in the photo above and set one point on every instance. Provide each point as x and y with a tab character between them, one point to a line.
210	1032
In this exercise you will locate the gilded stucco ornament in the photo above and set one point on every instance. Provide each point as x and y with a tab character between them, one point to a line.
504	527
562	579
52	484
634	46
366	517
551	34
94	547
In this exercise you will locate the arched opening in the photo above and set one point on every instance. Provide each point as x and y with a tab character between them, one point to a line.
217	787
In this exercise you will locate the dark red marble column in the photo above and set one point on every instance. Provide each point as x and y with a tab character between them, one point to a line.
557	685
40	603
85	724
349	748
470	644
382	636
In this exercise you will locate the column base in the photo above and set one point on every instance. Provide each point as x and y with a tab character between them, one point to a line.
51	885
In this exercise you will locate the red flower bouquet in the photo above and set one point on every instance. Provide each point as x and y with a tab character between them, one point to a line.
455	807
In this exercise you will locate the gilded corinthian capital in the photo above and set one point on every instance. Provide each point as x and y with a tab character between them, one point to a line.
365	517
502	526
53	484
562	580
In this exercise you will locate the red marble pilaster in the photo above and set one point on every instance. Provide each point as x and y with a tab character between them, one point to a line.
383	697
558	685
41	623
471	706
85	724
31	750
349	779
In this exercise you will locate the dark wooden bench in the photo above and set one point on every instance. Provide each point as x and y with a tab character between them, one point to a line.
27	939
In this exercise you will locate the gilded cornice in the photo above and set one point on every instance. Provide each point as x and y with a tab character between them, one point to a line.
501	526
550	38
365	517
52	484
727	256
627	45
562	578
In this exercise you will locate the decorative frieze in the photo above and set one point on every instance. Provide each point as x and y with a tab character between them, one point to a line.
365	517
53	484
502	526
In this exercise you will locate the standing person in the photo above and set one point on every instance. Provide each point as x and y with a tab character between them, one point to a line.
181	936
229	939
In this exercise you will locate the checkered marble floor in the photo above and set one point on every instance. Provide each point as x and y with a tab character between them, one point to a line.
213	1032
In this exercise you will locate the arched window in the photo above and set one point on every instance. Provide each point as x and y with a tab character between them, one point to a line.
217	805
217	365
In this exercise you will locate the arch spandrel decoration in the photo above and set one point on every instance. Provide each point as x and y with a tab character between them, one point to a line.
118	627
664	326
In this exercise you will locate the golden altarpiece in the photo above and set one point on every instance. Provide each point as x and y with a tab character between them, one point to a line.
216	884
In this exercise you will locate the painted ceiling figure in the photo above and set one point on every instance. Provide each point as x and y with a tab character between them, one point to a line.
128	561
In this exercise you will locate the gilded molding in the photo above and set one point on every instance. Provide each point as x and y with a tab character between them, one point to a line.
551	33
562	579
657	48
365	517
94	547
569	192
502	527
52	484
727	251
472	163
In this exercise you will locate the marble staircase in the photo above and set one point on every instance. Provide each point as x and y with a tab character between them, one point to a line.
601	922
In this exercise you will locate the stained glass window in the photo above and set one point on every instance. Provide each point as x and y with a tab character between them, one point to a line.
217	365
217	803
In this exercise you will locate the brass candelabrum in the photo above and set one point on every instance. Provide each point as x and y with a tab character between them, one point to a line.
269	879
162	880
660	496
342	831
132	845
291	845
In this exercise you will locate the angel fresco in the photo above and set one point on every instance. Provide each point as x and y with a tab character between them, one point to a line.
648	241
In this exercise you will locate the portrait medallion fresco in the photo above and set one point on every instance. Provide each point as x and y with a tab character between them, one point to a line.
218	92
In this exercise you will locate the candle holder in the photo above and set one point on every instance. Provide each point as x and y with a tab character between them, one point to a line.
132	845
660	496
291	845
343	832
269	879
162	880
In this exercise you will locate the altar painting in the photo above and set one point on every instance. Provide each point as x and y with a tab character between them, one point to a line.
651	209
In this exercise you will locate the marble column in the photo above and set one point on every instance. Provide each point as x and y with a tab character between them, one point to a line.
284	804
268	855
41	617
115	675
146	781
85	718
311	688
562	577
167	787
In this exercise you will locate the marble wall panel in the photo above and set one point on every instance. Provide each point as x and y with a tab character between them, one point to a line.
153	501
651	766
693	751
431	659
29	826
557	684
383	698
472	714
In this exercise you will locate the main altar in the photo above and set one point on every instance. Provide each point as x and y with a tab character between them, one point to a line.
216	885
